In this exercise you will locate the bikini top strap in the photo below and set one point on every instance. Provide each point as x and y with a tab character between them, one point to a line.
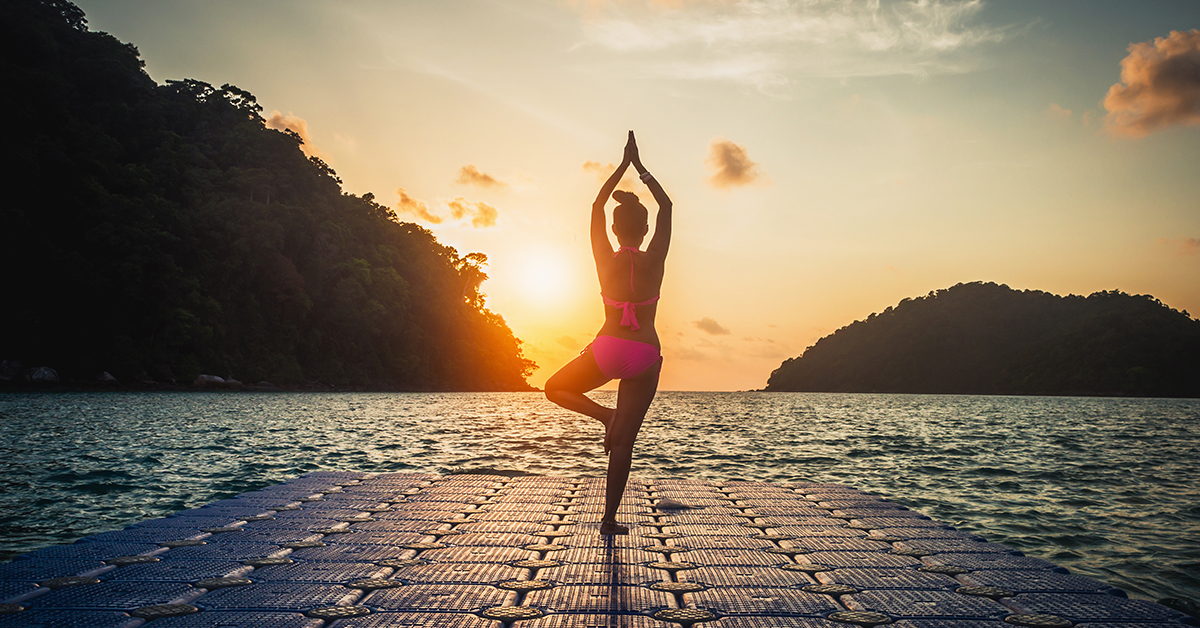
631	250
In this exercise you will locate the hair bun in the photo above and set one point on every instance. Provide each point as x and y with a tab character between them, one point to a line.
622	197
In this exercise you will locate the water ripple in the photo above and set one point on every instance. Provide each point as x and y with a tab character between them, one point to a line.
1106	487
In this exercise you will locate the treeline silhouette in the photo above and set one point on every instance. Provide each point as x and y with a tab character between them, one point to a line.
163	231
990	339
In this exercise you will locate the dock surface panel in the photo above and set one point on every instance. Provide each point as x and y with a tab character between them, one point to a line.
355	550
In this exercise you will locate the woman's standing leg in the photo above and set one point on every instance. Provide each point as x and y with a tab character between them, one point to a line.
633	400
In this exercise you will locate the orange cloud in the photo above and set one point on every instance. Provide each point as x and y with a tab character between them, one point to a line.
711	326
731	165
1055	112
1188	247
413	207
470	175
1160	86
297	125
603	171
482	214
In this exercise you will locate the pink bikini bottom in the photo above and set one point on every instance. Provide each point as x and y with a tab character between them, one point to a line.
619	358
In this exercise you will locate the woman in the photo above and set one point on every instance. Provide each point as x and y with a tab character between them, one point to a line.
627	347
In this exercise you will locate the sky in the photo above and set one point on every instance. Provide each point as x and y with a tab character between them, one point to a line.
825	158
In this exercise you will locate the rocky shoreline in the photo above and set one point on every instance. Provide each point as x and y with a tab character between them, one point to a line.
15	376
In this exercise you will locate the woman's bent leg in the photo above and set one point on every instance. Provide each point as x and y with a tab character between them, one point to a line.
633	399
566	387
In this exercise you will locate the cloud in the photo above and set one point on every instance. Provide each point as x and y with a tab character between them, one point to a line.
411	206
765	348
470	175
1160	86
765	42
731	165
1188	247
603	171
481	214
297	125
710	326
686	353
568	342
1055	112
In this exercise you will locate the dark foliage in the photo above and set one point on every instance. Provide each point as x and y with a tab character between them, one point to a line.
164	229
989	339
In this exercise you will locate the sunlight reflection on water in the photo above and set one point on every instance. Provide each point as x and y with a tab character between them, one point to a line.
1106	487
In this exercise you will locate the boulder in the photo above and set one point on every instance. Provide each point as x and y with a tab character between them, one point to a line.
232	383
43	375
209	381
107	379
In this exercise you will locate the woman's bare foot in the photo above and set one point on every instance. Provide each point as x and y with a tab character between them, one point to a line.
609	527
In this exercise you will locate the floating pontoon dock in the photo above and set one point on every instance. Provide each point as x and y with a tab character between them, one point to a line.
354	550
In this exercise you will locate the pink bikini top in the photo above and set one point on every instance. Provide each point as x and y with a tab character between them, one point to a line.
628	309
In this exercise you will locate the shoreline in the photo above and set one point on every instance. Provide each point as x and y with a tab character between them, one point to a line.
90	387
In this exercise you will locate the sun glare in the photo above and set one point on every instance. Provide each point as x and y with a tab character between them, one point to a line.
544	278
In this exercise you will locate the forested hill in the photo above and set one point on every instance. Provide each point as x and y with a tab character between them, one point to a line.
164	231
990	339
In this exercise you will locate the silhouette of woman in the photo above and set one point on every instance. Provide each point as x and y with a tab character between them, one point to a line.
627	346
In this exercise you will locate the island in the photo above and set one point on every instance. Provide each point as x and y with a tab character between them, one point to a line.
157	233
984	338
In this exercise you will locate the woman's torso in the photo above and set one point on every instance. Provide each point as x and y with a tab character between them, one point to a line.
643	284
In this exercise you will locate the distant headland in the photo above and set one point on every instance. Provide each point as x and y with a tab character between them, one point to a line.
163	236
984	338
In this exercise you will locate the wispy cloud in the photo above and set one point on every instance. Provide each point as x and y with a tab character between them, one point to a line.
299	126
481	214
763	42
1188	247
1057	112
1160	86
603	171
412	207
711	326
731	165
470	175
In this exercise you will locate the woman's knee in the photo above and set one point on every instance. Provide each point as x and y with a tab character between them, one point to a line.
553	384
553	390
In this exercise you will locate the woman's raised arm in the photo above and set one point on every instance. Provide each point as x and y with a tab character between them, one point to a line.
662	225
600	243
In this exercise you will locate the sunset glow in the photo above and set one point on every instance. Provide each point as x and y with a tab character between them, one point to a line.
826	159
545	278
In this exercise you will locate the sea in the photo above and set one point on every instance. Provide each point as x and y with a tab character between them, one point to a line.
1109	488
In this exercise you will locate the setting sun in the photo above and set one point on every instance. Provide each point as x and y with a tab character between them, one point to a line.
544	278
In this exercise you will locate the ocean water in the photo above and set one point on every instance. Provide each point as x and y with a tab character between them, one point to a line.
1109	488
